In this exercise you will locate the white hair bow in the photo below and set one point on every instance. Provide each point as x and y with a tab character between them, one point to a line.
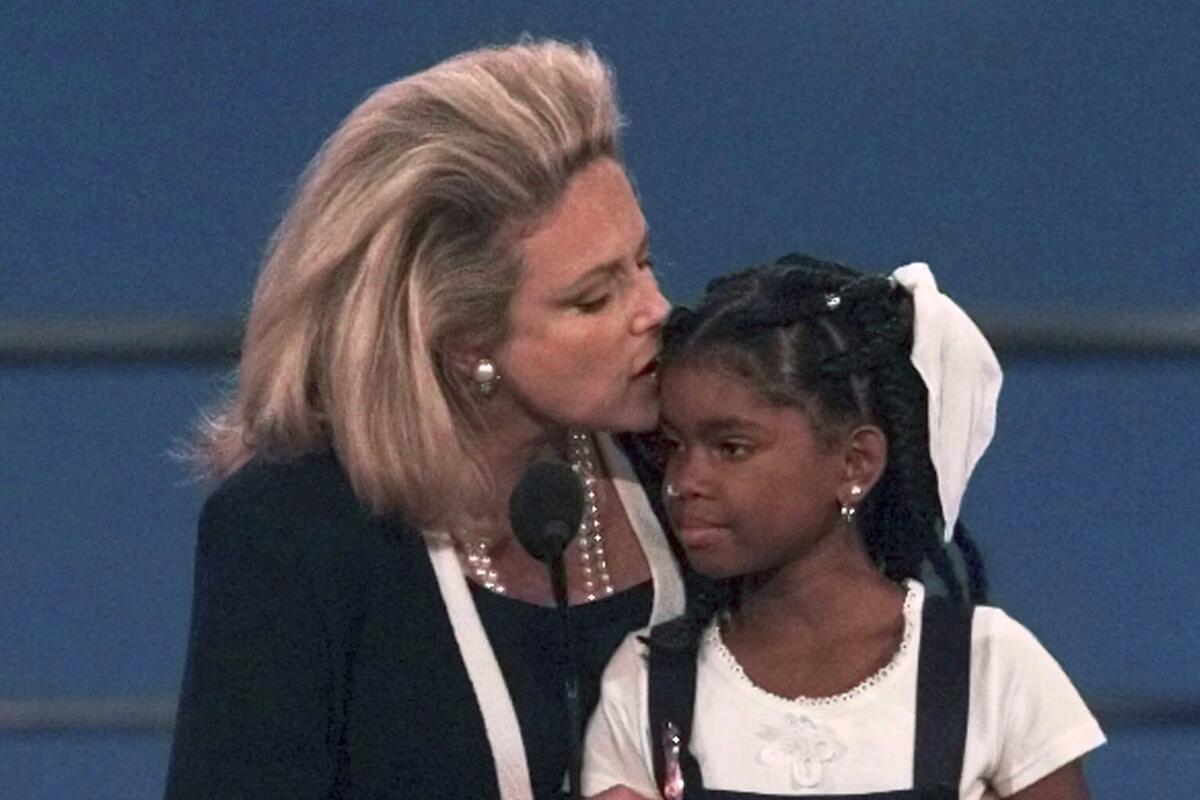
963	379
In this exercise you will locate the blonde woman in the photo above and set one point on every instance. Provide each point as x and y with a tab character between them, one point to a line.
461	286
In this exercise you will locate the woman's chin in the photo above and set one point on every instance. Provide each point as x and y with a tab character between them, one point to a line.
634	418
643	417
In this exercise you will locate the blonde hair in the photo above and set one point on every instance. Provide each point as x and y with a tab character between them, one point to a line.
402	240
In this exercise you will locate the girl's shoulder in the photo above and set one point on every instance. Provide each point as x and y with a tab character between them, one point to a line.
1028	714
1005	654
624	683
994	633
1014	675
997	636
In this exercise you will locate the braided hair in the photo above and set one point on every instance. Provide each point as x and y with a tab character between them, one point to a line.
834	343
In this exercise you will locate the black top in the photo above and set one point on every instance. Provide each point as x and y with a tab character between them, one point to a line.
528	642
321	660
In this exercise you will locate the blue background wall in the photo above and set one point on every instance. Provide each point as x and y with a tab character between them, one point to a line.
1042	157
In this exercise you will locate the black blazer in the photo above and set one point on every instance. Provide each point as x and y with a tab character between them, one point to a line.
321	661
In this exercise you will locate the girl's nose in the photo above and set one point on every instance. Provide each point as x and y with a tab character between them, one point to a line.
684	476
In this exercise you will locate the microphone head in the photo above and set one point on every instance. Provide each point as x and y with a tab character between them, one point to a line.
546	508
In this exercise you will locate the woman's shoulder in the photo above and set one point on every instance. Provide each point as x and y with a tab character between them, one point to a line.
303	503
304	481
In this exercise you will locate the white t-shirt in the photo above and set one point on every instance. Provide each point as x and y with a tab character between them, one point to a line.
1025	720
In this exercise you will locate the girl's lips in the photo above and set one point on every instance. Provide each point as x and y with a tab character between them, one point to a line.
697	536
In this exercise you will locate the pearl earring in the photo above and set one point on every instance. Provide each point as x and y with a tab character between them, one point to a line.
485	376
848	510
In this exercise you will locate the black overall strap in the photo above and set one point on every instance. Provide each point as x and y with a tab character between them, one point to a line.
672	695
943	695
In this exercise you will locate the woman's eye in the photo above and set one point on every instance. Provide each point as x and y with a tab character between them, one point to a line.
593	306
646	262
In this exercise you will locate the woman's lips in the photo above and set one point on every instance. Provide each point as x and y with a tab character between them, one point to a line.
649	370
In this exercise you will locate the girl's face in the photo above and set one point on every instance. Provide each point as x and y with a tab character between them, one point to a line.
756	486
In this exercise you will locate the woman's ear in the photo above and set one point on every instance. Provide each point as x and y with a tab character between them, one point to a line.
470	367
866	454
461	356
461	361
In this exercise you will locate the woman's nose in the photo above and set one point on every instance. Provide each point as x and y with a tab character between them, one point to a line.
653	307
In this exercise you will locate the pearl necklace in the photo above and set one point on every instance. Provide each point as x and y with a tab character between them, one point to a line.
596	579
597	582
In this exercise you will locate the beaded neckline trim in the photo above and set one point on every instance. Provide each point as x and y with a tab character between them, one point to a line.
714	640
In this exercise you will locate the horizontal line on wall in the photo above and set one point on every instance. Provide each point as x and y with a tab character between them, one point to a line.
1022	334
1082	334
88	714
1116	712
153	342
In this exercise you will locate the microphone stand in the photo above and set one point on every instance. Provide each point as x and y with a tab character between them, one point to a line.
545	508
558	581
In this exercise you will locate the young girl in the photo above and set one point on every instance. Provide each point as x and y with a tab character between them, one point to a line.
819	428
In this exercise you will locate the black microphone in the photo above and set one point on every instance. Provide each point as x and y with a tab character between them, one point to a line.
545	510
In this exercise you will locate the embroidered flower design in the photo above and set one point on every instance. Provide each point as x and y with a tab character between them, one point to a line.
803	745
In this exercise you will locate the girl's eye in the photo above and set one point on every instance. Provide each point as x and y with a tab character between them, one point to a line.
593	306
647	262
666	447
733	451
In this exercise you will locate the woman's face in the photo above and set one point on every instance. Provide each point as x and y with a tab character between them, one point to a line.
584	321
754	487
